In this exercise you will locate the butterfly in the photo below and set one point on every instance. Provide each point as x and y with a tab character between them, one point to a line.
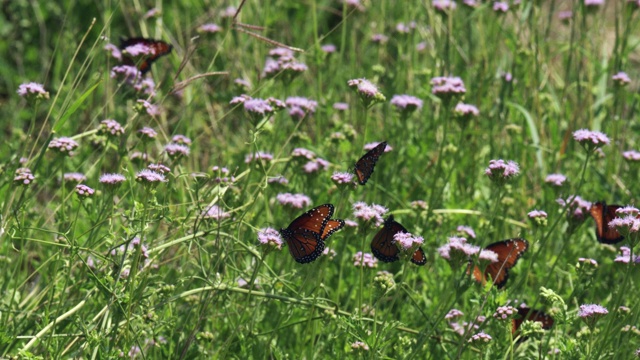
526	313
509	251
306	234
603	214
384	248
364	166
158	48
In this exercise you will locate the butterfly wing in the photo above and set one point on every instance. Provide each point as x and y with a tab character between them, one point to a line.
419	258
330	227
603	214
531	315
314	220
509	251
382	245
364	166
304	246
158	48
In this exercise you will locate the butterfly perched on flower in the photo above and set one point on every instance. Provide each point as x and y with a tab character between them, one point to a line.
364	166
603	214
143	52
508	251
306	234
384	248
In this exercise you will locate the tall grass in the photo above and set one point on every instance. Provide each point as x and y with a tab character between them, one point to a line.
151	270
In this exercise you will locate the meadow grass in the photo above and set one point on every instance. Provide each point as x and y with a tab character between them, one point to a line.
166	263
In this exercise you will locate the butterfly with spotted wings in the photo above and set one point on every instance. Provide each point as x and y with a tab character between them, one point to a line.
603	214
384	248
306	234
508	251
364	166
157	49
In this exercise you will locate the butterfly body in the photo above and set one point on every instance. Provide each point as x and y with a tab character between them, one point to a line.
508	251
365	165
158	48
603	214
306	234
384	248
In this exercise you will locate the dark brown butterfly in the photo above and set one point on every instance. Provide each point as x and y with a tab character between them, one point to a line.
364	166
158	48
384	248
306	234
526	313
603	214
509	251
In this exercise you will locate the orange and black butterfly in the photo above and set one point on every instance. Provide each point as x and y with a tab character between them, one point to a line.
364	166
526	313
603	214
306	234
509	251
384	248
158	48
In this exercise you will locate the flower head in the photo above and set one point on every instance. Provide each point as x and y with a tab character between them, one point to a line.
366	213
340	106
258	156
270	238
114	51
74	177
145	107
480	337
181	139
590	140
328	48
149	177
159	168
175	151
590	313
147	133
210	28
368	92
631	156
361	259
467	230
447	87
539	217
407	242
279	179
500	7
299	107
465	112
556	179
342	178
578	207
501	171
621	79
297	201
315	165
359	346
84	191
32	91
112	180
215	212
23	176
453	313
111	127
505	312
126	73
406	104
372	145
444	6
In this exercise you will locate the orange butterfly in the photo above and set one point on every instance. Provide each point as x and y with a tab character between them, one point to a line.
603	214
364	166
384	248
509	251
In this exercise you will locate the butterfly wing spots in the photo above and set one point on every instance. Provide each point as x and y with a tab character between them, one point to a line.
313	220
331	227
365	165
304	246
603	214
419	258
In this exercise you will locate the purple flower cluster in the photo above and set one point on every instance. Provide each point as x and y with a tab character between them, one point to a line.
505	312
299	107
147	133
328	48
444	6
32	90
112	179
465	111
159	168
263	156
367	213
284	65
270	238
74	177
406	103
145	107
590	140
340	106
361	259
453	313
342	178
480	337
23	176
84	191
590	313
500	7
114	51
467	230
297	201
368	92
63	145
175	151
181	139
626	257
501	171
126	73
534	214
588	261
150	177
315	165
446	87
407	242
556	179
214	212
138	50
278	180
631	155
578	207
111	127
210	28
258	108
621	79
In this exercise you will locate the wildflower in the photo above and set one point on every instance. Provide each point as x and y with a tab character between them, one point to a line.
453	313
23	176
406	104
159	168
150	177
590	262
175	151
74	177
500	7
112	180
243	84
590	140
457	251
631	155
590	313
111	127
181	139
384	281
368	213
209	28
359	346
350	223
215	212
593	3
315	165
447	87
500	171
464	111
488	256
270	238
329	252
285	65
278	180
556	179
114	51
407	243
139	157
444	6
63	145
624	309
258	156
421	46
578	207
361	259
342	178
379	38
637	353
471	3
505	312
467	230
621	79
627	210
507	76
297	201
372	145
626	257
153	12
419	204
539	217
126	73
229	12
328	48
258	108
32	91
368	92
84	191
626	225
403	28
340	106
565	16
146	86
147	133
147	107
464	327
480	337
299	107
